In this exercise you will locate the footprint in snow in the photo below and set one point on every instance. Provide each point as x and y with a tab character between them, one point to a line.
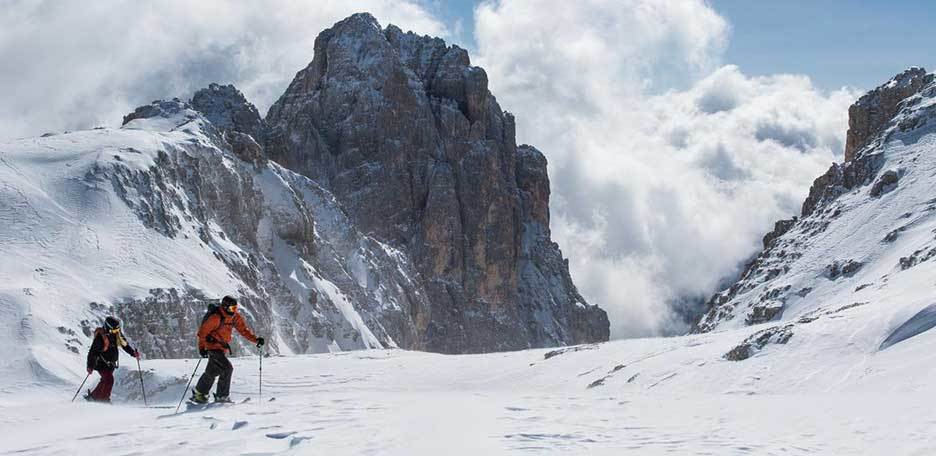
280	435
238	425
297	440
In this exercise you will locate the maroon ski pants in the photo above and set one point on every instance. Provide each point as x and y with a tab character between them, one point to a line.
102	391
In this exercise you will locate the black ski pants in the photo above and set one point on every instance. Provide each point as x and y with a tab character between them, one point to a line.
218	367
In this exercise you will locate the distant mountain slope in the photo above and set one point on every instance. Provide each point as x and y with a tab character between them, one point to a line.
867	232
150	220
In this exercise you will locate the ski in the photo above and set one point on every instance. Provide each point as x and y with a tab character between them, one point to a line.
193	407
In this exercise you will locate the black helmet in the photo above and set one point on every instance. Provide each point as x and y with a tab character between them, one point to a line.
229	304
111	323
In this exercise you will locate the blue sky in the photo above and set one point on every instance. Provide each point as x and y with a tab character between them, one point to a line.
855	43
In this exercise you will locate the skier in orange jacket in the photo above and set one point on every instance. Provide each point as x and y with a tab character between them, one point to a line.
214	339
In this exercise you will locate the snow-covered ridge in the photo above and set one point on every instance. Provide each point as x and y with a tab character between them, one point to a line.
151	220
866	240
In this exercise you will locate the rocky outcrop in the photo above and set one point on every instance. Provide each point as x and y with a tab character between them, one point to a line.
227	109
872	112
885	183
841	178
780	228
404	132
238	120
756	342
162	109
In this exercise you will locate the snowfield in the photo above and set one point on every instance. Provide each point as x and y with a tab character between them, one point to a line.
828	391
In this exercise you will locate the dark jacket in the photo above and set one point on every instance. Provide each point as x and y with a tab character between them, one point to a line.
215	332
103	353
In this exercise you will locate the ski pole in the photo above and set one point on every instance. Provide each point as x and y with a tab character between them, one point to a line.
82	386
187	385
260	349
142	388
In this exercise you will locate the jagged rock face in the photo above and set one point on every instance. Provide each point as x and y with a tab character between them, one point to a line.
403	130
871	113
859	218
238	119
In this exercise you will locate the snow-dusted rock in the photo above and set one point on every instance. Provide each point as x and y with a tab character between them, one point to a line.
227	109
868	117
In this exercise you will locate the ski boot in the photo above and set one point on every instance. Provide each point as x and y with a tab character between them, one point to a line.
88	397
198	397
222	399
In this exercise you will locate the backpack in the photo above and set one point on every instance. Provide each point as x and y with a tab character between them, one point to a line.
213	308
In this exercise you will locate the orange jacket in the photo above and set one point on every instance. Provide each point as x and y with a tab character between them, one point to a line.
219	326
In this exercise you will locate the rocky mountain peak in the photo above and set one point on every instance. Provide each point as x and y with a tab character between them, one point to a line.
162	109
228	109
868	116
405	133
445	71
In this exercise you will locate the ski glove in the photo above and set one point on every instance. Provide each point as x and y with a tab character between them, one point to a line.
90	370
203	353
260	341
137	354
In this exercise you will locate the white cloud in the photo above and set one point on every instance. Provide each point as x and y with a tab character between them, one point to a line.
667	168
71	65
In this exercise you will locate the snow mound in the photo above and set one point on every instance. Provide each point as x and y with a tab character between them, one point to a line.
923	321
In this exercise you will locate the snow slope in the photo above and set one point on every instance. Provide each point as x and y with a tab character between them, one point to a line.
866	242
830	394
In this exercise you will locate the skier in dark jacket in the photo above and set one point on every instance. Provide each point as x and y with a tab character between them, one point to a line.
102	357
214	339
